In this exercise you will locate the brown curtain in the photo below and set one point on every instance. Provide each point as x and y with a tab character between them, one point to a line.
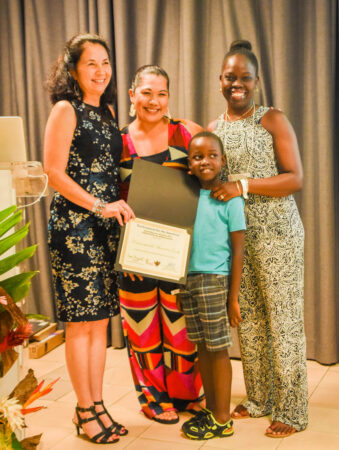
296	42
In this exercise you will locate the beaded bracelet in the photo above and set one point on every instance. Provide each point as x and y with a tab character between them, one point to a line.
98	207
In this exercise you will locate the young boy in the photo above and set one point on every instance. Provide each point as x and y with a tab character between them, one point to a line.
212	287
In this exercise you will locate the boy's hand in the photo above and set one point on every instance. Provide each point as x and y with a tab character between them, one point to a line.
234	315
178	301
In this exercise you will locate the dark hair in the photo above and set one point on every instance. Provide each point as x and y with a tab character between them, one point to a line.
148	68
242	47
209	135
61	85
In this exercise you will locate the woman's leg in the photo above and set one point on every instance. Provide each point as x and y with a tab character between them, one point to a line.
140	312
272	335
183	379
283	292
97	357
80	362
97	360
255	343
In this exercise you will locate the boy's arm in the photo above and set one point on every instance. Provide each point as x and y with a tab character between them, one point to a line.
237	242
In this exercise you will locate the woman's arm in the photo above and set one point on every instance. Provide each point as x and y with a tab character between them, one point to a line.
58	138
286	149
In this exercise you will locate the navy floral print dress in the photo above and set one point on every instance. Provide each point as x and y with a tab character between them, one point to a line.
82	245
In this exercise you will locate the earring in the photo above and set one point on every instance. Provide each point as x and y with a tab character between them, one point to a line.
168	115
77	90
132	111
220	90
74	86
256	89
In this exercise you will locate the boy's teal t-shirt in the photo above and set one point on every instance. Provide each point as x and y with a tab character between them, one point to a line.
211	247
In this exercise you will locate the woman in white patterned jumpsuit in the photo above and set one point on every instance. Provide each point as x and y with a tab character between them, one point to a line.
264	163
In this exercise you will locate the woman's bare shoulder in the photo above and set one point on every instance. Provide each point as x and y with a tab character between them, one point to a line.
212	125
274	119
193	127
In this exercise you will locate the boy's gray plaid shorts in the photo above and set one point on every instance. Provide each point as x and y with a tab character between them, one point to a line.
204	303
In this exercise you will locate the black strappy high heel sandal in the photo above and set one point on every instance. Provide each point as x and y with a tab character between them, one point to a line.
115	428
104	434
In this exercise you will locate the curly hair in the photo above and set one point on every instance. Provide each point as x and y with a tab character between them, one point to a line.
60	83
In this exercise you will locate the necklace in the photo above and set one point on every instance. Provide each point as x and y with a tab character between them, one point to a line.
246	174
228	118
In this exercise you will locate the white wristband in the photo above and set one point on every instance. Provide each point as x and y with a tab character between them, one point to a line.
244	184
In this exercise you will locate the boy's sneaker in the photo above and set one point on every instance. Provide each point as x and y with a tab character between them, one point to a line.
202	412
204	426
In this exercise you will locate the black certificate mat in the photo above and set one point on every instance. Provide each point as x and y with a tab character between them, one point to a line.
165	202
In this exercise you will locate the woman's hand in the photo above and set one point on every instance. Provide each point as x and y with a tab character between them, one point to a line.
120	210
178	302
132	276
225	191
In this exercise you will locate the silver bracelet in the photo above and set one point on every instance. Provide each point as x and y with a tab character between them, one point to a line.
98	207
244	184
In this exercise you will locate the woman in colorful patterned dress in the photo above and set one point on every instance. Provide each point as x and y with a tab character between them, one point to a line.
163	362
82	152
263	164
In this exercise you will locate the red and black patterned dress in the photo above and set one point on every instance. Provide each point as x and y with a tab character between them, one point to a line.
163	361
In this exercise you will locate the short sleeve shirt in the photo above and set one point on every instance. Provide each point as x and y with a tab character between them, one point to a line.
211	247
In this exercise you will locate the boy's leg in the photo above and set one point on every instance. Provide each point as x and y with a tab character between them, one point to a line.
206	375
215	421
216	374
220	370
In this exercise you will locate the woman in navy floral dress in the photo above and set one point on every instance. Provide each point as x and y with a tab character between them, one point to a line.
82	152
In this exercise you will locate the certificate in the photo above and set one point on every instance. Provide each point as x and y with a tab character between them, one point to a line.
157	243
155	249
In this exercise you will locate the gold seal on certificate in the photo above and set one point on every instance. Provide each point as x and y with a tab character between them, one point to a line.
157	243
155	249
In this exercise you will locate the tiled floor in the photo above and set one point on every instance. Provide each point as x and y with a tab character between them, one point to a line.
55	422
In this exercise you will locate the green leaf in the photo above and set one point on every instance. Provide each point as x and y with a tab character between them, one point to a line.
7	212
20	292
10	222
8	263
13	239
15	443
38	317
18	286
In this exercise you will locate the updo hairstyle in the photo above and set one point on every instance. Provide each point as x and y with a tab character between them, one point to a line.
61	85
148	69
242	47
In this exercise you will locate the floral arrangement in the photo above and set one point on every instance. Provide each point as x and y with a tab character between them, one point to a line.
14	330
14	407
